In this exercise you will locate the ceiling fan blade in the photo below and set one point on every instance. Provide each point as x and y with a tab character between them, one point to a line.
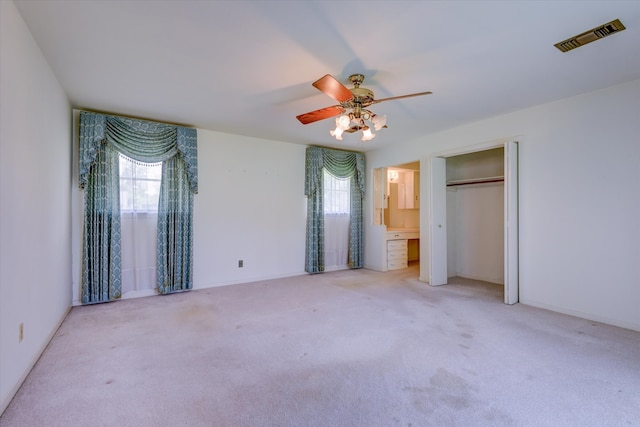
332	87
321	114
398	97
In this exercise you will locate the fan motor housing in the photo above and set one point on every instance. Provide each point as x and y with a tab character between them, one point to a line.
362	93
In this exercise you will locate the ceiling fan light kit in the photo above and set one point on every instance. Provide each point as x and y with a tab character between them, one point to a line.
351	114
353	122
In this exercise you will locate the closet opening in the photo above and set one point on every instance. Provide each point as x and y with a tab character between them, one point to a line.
473	218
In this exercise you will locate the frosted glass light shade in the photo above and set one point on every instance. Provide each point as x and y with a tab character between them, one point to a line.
337	132
367	135
342	122
379	122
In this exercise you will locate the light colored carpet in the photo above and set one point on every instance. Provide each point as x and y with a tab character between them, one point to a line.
347	348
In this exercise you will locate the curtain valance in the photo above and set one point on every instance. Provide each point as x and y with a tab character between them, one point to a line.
141	140
342	164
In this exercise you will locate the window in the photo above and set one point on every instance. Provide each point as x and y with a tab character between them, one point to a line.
139	185
337	194
337	215
139	194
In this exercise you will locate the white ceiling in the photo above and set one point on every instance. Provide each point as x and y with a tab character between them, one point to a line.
246	67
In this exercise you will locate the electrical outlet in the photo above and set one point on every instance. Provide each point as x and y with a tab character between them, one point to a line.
240	263
20	332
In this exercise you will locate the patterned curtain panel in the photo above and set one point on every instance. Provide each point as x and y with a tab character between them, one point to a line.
342	164
356	226
175	229
101	262
148	142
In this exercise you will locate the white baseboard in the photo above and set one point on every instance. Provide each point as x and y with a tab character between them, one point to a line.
482	279
373	268
576	313
249	280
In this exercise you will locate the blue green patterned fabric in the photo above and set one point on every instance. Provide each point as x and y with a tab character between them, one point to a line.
101	261
175	229
141	140
102	137
342	164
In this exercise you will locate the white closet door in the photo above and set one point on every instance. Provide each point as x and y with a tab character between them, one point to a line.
511	223
438	221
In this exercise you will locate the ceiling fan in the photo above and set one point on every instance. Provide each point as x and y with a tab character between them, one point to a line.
352	112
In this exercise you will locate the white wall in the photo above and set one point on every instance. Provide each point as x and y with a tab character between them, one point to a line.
35	258
250	206
475	232
579	199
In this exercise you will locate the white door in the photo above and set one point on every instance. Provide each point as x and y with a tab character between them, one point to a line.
438	221
511	223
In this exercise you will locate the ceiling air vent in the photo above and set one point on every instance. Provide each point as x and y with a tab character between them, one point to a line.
590	36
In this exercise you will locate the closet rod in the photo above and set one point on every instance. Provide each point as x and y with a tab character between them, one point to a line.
475	181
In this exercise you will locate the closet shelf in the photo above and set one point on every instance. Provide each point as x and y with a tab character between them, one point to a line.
469	181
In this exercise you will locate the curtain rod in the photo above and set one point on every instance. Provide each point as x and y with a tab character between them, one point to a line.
475	181
135	118
337	149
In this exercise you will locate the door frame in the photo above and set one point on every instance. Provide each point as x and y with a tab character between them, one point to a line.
437	246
